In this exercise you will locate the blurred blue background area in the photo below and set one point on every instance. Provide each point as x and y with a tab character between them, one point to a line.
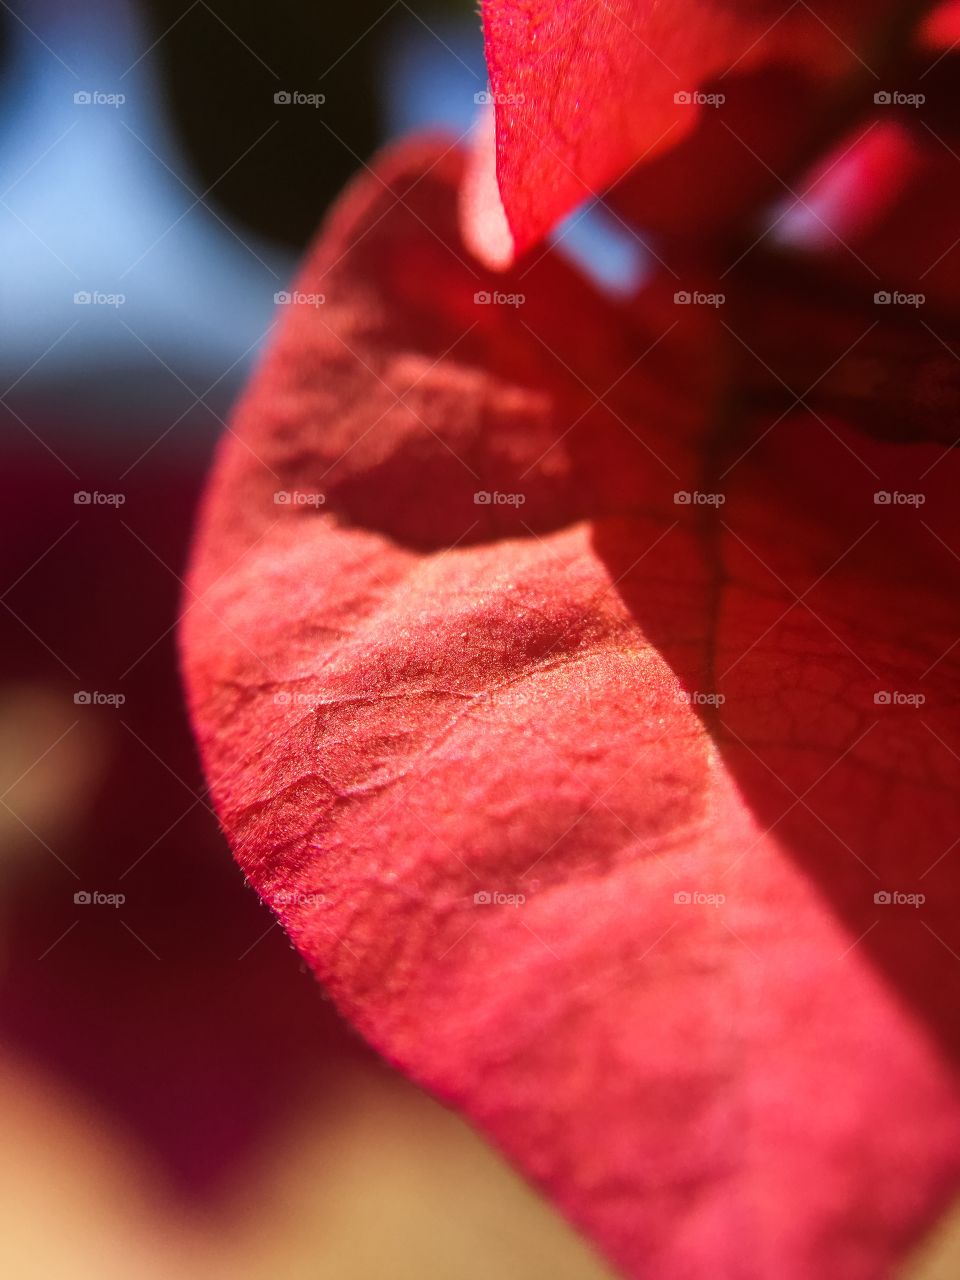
154	197
137	280
99	201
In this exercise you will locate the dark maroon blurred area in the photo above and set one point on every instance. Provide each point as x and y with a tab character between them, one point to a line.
183	1010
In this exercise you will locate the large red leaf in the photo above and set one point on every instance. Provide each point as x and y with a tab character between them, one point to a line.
586	90
582	806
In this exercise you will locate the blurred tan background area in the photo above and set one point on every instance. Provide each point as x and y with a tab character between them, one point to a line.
392	1186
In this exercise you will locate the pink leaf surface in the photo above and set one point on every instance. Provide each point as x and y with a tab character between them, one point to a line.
602	813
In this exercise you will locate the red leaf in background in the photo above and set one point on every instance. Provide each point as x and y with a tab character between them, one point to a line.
888	169
886	209
585	92
941	30
718	1029
881	205
727	166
